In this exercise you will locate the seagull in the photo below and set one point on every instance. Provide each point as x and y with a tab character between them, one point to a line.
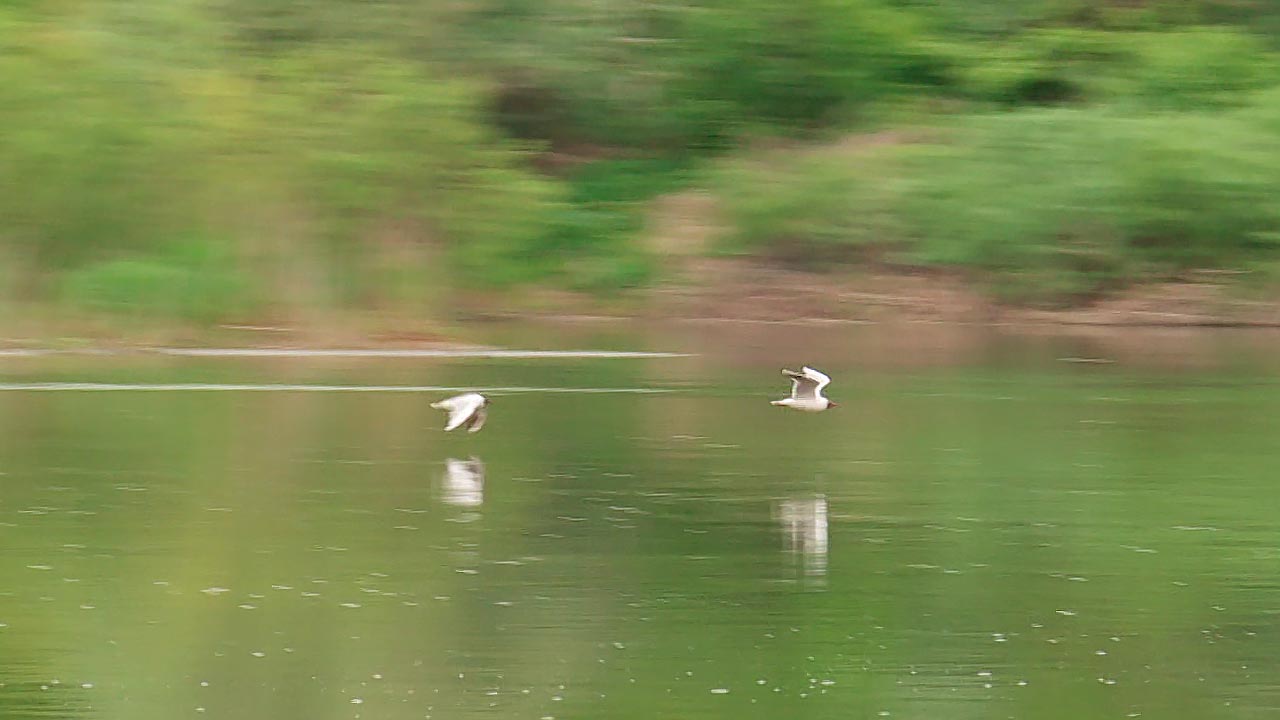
467	409
806	391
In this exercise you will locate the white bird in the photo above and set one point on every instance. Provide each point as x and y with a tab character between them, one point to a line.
468	408
806	391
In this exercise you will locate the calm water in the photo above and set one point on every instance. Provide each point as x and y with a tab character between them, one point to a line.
987	528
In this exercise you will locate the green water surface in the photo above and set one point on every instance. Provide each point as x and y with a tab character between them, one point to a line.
1012	534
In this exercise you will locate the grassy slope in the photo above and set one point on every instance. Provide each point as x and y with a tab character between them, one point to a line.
291	164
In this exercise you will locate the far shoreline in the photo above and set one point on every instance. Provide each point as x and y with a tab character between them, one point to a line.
705	292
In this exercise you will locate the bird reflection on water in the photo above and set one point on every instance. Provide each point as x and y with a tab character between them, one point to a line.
462	484
804	528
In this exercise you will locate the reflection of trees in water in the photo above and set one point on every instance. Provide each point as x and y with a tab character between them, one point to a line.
23	697
804	528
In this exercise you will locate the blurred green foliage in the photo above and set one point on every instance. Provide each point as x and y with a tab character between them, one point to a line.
806	209
672	76
192	280
1183	69
1070	202
343	154
1052	205
596	238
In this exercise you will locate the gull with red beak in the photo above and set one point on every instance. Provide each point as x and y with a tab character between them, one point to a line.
806	390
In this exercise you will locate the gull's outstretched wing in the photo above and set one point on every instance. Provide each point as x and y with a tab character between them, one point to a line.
802	384
818	379
460	408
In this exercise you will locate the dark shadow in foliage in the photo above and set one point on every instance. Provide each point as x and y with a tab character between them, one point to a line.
530	111
1046	91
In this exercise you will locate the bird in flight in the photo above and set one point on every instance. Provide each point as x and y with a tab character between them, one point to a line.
468	409
806	391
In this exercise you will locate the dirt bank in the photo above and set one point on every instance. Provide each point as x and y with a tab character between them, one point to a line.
699	287
704	289
734	288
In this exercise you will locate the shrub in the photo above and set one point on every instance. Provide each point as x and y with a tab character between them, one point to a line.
370	138
1090	197
1198	68
695	74
594	240
1044	67
810	208
88	155
194	281
982	17
1178	69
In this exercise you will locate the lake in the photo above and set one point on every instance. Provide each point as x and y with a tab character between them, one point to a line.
992	525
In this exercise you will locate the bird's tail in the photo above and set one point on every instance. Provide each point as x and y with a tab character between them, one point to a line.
438	405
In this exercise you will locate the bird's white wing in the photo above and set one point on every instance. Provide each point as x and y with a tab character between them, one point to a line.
460	408
818	379
457	416
802	385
